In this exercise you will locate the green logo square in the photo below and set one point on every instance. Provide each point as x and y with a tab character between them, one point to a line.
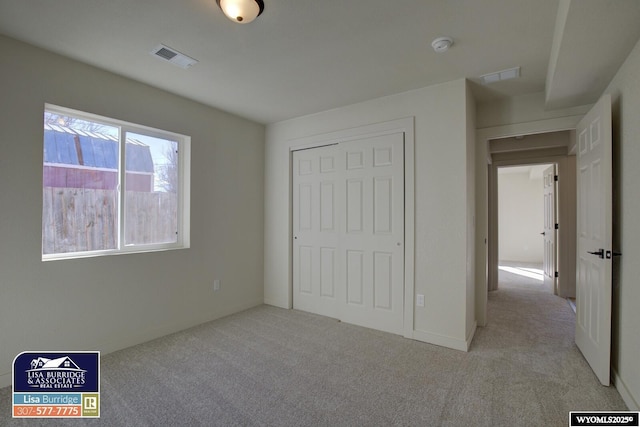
90	405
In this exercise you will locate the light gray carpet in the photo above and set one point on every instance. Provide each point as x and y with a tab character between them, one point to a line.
272	367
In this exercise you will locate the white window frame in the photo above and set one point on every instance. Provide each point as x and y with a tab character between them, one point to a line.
184	190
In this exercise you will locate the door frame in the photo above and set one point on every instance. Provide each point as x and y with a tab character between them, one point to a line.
406	126
595	272
483	212
562	237
550	233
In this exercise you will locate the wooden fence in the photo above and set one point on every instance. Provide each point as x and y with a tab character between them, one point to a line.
77	220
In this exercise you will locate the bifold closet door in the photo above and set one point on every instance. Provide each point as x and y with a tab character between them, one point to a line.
315	230
372	241
348	228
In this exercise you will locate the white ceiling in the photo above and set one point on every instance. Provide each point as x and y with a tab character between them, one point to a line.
592	40
304	56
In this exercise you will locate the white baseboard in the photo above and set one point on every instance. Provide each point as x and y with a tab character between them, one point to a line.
441	340
471	334
626	395
167	329
276	303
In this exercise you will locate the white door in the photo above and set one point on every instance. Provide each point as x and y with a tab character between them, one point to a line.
348	230
549	233
594	202
315	230
372	245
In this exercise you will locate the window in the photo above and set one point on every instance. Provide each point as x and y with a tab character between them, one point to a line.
111	187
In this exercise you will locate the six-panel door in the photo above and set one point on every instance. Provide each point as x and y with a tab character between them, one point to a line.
348	228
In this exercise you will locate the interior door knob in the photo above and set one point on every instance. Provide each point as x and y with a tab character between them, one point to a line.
543	233
600	253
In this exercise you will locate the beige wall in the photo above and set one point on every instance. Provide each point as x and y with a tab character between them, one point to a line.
521	109
625	95
441	199
471	321
567	238
520	217
108	303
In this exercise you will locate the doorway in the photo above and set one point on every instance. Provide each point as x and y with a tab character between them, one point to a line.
526	235
405	127
593	323
537	149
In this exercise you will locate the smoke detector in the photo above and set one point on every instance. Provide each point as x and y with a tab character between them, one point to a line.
442	44
176	58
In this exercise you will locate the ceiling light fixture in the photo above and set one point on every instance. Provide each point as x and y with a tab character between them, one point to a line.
241	11
442	44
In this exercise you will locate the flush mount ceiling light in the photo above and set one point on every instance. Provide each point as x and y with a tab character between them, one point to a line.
241	11
442	44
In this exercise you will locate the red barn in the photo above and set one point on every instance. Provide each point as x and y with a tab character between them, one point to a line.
81	159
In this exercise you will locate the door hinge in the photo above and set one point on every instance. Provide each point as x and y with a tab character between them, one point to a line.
557	226
555	178
557	275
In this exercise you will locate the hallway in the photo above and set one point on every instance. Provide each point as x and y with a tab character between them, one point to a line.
529	343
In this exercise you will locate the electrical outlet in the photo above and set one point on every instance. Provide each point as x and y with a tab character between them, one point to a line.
420	300
216	285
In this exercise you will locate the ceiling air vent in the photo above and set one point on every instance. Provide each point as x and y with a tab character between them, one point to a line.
173	56
511	73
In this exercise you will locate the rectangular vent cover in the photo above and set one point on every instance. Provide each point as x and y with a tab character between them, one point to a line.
511	73
168	54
